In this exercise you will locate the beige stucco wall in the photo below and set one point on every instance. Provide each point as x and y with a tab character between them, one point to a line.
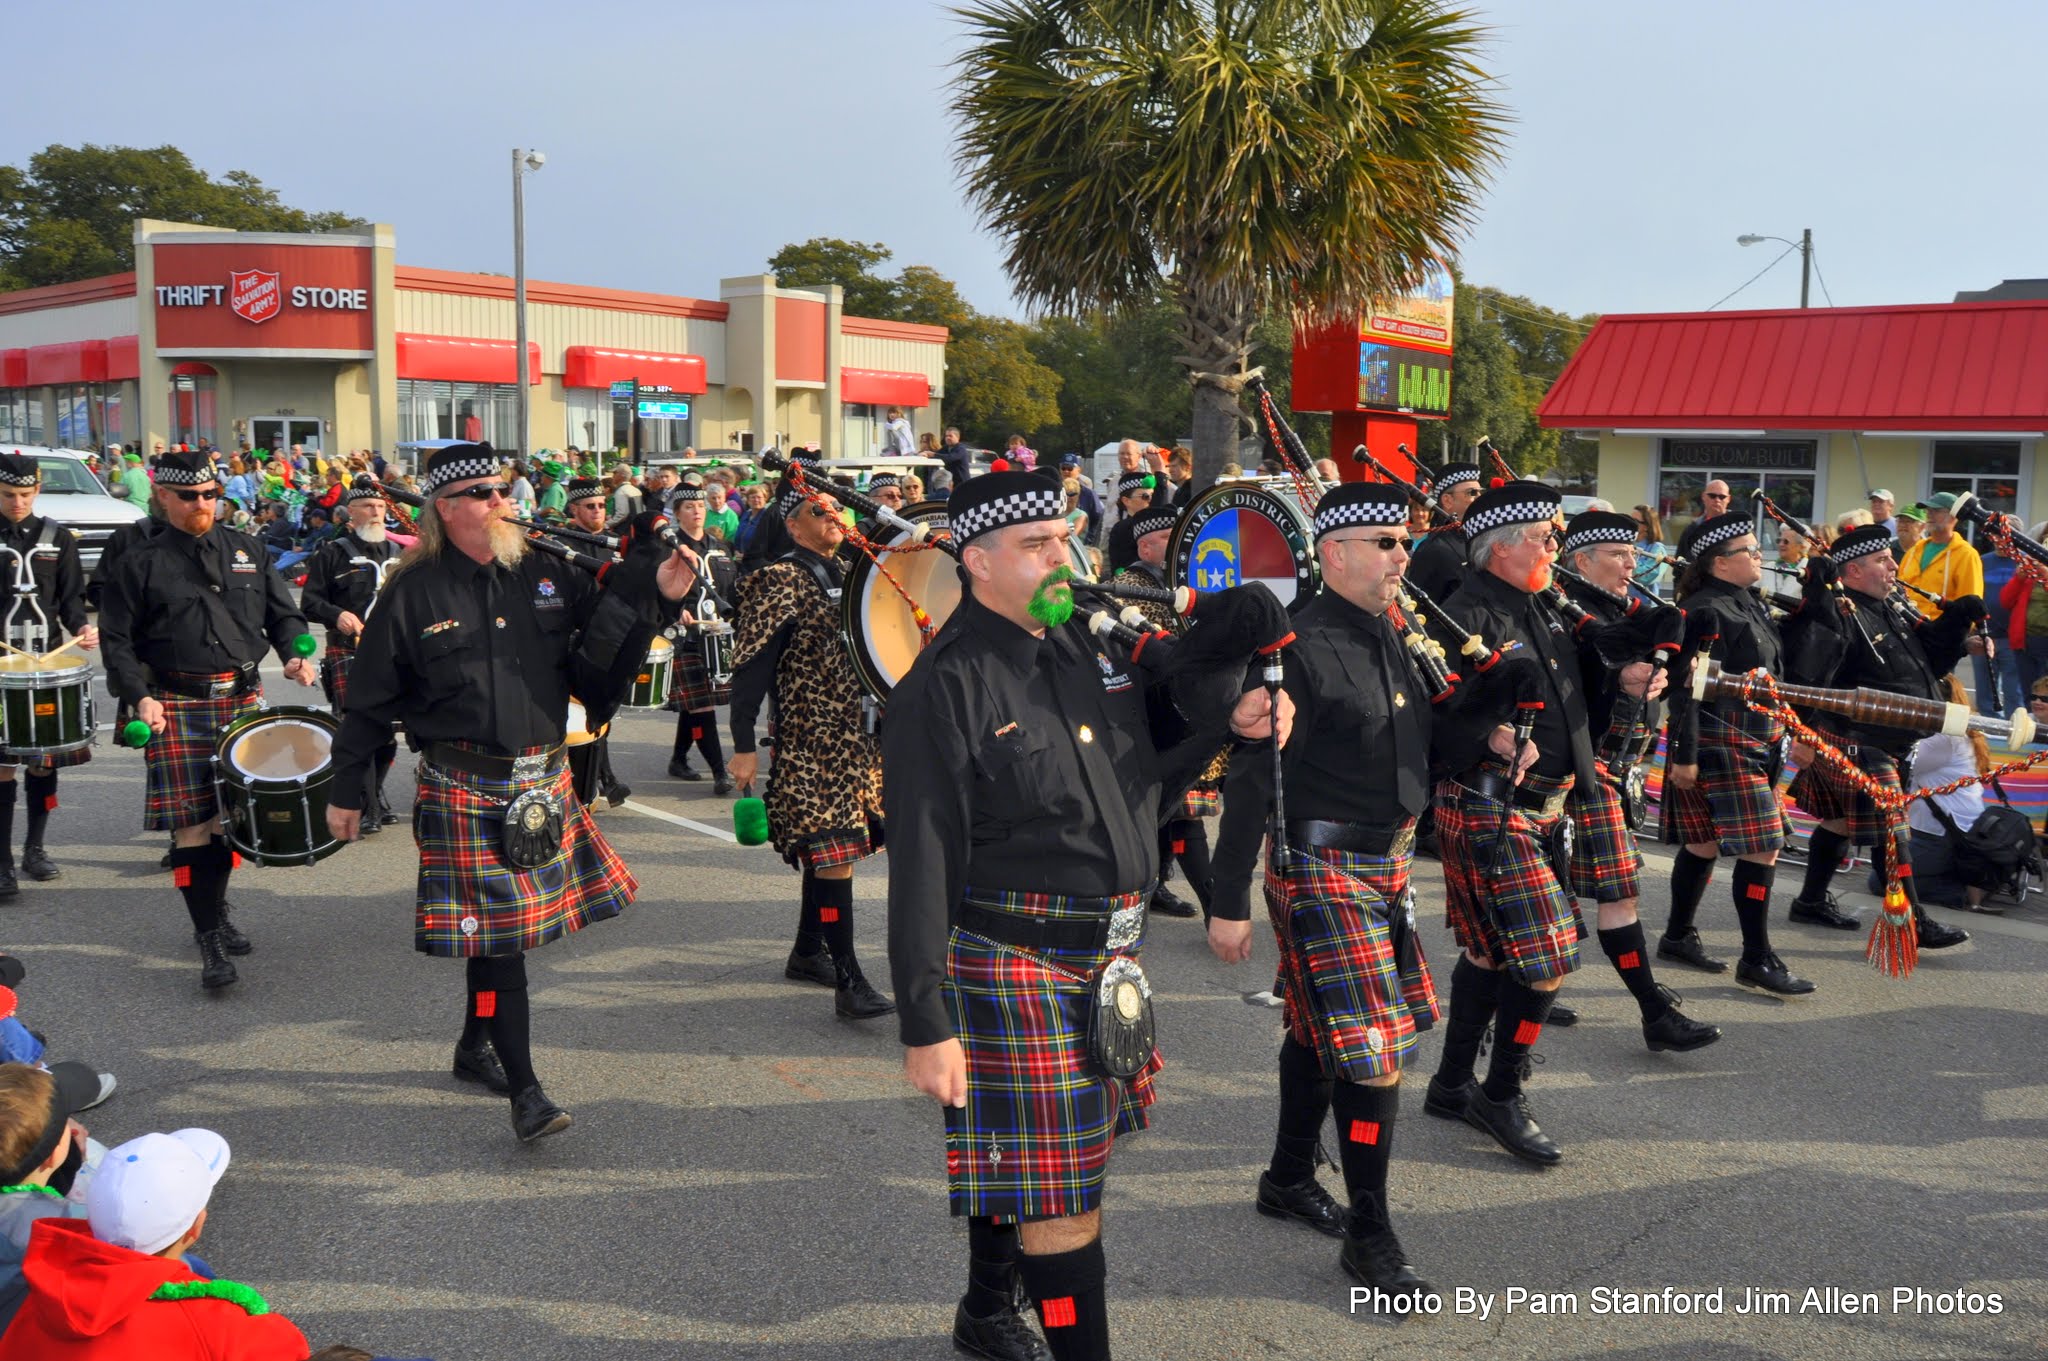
56	325
899	356
555	328
799	416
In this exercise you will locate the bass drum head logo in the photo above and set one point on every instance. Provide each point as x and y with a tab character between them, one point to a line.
1239	533
254	294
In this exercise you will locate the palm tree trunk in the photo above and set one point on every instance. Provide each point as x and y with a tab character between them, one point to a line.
1216	330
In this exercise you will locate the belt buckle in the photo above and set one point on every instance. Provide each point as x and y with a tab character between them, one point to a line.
530	767
222	688
1403	842
1126	927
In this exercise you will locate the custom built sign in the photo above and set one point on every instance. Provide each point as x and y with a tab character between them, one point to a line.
1395	359
1420	318
225	296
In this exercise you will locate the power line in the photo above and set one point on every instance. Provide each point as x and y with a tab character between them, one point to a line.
1813	258
1520	313
1753	278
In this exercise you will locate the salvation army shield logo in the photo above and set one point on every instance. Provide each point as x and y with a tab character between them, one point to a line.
254	294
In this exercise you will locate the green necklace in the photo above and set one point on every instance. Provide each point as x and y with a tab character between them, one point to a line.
40	1190
234	1292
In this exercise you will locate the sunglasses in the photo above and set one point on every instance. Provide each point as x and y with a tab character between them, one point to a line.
482	491
1386	543
820	513
188	497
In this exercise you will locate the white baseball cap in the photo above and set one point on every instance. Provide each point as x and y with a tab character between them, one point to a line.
148	1191
1880	494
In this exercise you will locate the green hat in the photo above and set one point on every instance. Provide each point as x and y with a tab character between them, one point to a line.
132	458
558	471
1941	500
1913	513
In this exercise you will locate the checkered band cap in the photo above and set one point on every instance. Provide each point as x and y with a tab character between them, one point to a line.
882	480
688	491
180	468
1512	503
1152	521
1591	527
583	488
1131	482
1702	537
18	470
459	463
1451	474
1861	542
791	498
994	500
1372	504
362	492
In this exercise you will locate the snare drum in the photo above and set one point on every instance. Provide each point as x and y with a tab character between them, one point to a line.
1236	533
272	769
582	745
715	644
650	687
44	711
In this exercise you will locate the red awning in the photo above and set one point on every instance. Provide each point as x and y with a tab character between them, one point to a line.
123	359
72	361
880	387
453	359
1938	367
13	368
192	368
587	366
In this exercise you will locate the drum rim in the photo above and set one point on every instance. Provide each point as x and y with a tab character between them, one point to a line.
238	726
1275	491
56	677
853	622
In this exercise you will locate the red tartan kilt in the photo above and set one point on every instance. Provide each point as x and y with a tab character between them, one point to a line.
846	846
1734	803
334	676
473	902
1201	801
692	684
1606	865
1034	1137
1523	920
1826	793
179	760
1347	998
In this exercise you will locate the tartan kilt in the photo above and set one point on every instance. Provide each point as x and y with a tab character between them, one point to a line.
817	795
692	685
334	676
1825	793
471	902
1735	801
1523	920
1348	997
1204	798
1606	865
179	760
1033	1140
845	846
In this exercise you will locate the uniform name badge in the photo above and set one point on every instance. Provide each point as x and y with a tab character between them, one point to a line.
532	834
1121	1038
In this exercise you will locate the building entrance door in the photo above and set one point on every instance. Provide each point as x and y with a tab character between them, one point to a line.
282	432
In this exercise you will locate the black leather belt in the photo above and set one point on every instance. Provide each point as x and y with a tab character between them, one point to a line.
1357	837
200	685
1492	784
1036	933
451	757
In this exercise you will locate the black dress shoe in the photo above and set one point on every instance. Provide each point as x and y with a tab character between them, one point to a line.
857	1000
1002	1336
618	794
480	1065
1934	935
1688	950
680	770
368	825
1677	1032
216	970
164	863
231	939
1306	1202
1562	1015
385	817
1166	904
812	968
1447	1103
722	784
37	865
1771	975
1510	1123
9	885
1375	1259
1825	912
536	1117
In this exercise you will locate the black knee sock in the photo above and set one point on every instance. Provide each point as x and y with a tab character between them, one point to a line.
1069	1289
1365	1139
1517	1024
380	767
1823	853
707	740
1753	906
834	898
1625	946
1304	1102
8	795
476	1027
992	1253
1166	853
505	1013
1690	875
1474	993
224	862
195	870
686	733
809	938
1191	848
42	801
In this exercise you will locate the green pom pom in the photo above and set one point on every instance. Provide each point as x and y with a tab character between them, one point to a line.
135	733
304	645
750	822
1151	482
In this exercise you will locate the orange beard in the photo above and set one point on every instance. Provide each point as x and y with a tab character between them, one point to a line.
1539	581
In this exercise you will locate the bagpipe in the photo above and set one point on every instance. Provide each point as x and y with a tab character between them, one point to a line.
549	538
1867	707
2030	554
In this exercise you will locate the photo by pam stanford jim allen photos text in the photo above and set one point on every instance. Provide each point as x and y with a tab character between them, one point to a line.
1736	1300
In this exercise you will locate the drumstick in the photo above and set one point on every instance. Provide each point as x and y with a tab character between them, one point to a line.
17	651
57	650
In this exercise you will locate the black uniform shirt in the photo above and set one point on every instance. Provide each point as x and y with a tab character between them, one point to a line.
462	650
1519	624
340	578
1732	625
1009	762
1440	566
1907	655
1123	543
201	604
60	580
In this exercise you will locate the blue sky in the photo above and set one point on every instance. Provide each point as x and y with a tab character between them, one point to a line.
1648	135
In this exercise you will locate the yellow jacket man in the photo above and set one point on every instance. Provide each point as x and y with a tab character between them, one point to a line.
1943	563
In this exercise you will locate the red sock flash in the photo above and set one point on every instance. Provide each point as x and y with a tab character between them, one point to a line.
1365	1131
1526	1032
1631	960
1057	1313
486	1005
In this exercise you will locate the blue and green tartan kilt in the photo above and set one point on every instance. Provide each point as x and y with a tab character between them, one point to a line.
692	686
1735	800
1348	997
179	760
1826	793
1607	867
1523	919
472	901
1033	1140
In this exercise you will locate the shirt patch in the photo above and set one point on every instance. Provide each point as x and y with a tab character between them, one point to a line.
442	627
241	562
546	586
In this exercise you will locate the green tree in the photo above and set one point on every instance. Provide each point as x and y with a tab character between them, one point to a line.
70	213
1503	336
850	264
1300	154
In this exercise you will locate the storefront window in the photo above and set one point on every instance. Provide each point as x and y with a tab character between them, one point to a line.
92	415
21	415
465	411
590	418
193	408
1784	469
1989	469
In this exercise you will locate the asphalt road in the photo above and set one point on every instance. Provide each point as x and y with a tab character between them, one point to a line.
750	1177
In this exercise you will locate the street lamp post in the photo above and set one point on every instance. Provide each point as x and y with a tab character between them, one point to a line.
524	163
1805	247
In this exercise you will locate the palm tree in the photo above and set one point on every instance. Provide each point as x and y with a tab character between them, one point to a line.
1236	154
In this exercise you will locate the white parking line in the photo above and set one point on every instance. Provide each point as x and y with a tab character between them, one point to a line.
695	826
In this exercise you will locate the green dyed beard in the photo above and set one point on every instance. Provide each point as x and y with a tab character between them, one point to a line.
1052	604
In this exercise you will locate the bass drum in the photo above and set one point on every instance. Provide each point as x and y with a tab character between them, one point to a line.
1236	533
881	633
